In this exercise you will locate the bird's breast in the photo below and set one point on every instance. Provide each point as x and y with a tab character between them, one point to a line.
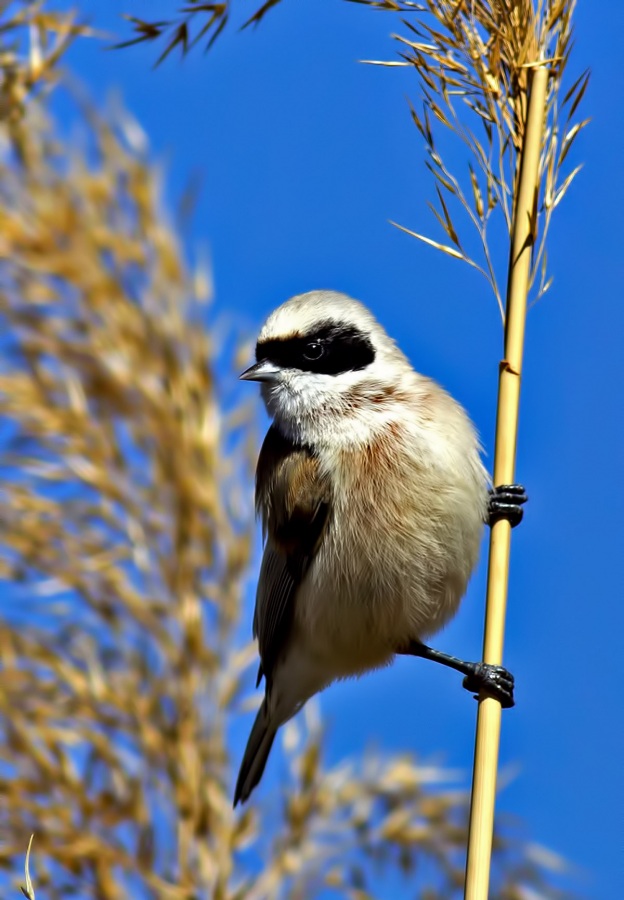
401	543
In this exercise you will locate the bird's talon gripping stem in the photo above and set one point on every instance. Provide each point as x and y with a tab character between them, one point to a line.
506	502
493	680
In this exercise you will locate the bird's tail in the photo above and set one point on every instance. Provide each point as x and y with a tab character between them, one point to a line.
256	754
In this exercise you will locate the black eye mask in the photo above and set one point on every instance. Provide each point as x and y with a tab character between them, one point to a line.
332	348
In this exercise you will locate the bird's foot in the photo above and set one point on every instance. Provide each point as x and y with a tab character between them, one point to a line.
495	681
506	502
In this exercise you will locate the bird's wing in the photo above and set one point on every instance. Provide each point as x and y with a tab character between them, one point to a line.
294	500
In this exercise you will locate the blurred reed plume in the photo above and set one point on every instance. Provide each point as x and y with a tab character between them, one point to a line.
125	540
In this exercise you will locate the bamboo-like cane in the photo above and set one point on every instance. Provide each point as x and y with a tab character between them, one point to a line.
489	714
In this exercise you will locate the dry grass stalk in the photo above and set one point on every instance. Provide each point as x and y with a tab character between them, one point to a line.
124	545
504	60
28	890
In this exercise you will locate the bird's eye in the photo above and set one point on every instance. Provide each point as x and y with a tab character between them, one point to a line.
313	350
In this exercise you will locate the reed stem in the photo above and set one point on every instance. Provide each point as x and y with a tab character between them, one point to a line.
489	713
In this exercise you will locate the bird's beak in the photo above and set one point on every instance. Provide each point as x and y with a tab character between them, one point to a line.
261	371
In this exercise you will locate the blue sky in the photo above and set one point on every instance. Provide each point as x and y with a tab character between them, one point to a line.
305	154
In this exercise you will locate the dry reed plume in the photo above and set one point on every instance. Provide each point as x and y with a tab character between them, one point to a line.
474	61
125	539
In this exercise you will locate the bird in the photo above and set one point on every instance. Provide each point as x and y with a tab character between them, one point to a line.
373	498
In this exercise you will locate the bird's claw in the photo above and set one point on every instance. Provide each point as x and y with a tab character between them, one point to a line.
506	502
493	680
